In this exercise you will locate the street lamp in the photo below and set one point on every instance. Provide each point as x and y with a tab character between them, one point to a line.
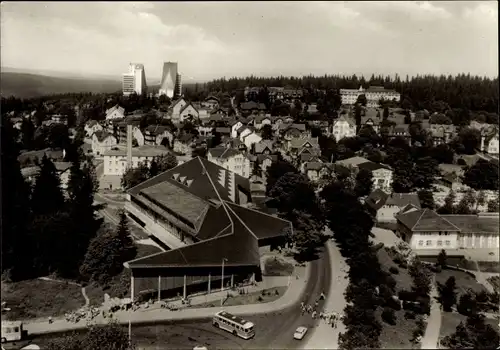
222	283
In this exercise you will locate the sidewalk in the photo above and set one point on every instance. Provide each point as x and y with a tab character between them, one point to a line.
324	336
431	336
155	313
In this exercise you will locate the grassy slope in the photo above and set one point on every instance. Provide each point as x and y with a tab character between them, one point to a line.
32	85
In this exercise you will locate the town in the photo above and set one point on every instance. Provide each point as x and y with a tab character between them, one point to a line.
304	212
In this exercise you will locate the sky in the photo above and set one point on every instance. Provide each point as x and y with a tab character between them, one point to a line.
216	39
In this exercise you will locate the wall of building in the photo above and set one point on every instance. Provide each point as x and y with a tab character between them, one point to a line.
433	240
479	240
387	213
117	165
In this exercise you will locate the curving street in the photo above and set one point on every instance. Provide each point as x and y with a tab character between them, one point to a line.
273	330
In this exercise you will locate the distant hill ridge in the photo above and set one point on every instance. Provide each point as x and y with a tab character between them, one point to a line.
26	85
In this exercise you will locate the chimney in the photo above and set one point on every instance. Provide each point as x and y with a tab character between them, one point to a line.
129	146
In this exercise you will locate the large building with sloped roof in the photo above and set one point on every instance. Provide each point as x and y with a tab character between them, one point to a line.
197	212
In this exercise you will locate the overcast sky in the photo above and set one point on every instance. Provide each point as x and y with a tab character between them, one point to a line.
215	39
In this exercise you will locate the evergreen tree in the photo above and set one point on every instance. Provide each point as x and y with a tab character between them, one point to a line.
448	294
466	204
426	199
441	259
47	196
474	333
16	206
449	204
28	133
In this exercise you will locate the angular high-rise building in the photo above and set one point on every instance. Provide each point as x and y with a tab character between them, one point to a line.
134	80
170	80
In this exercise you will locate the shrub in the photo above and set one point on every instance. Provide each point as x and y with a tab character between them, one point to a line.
390	282
436	268
397	260
407	295
389	316
403	265
394	270
393	303
260	298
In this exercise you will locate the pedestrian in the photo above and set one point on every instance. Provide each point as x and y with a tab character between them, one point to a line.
314	315
50	320
315	304
322	296
302	304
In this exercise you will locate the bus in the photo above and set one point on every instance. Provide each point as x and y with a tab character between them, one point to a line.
11	331
234	324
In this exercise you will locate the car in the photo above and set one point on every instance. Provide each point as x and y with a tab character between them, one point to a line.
200	347
300	332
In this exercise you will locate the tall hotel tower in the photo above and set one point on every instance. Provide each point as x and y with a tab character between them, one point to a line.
134	80
171	84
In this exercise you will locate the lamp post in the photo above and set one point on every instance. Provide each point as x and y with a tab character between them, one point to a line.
222	282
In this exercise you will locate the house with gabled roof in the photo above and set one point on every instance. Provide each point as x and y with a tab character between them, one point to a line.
102	141
428	232
343	127
211	102
230	159
252	107
115	112
184	144
235	126
91	127
289	131
265	147
489	141
317	170
155	135
198	210
387	206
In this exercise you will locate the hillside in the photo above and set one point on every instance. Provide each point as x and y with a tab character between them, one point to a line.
32	85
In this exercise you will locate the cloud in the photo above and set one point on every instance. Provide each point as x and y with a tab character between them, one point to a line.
211	39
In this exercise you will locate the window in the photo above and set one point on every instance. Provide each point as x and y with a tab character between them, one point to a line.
420	243
448	243
428	243
440	243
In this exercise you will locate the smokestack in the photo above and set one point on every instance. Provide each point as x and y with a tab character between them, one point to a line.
129	146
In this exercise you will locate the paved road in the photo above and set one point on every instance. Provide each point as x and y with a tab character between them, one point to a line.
273	330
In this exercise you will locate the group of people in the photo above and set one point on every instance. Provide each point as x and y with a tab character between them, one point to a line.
331	318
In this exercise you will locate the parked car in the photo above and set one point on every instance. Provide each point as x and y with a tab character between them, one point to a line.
300	333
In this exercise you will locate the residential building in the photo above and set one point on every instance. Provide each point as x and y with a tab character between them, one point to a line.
134	81
102	141
251	93
171	84
231	160
489	141
252	107
235	125
115	159
62	168
402	131
265	161
250	139
198	210
176	108
290	131
343	127
426	230
382	175
223	131
211	102
316	171
441	133
91	127
184	144
264	147
115	113
373	95
388	206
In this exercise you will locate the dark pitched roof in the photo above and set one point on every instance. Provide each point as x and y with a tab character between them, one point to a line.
223	130
252	105
474	223
372	166
223	152
377	199
224	228
157	129
426	220
402	199
102	135
185	138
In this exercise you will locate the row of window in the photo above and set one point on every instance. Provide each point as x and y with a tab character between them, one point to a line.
429	243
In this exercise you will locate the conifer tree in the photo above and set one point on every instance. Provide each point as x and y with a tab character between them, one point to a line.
47	196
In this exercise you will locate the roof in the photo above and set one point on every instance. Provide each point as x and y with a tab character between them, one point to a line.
185	138
91	123
263	144
353	161
298	142
377	199
62	166
30	171
187	105
206	198
102	135
318	166
223	152
342	118
252	105
474	223
372	166
211	97
223	130
157	129
426	220
262	157
142	151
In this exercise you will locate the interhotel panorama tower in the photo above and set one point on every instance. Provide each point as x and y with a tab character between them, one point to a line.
170	81
134	80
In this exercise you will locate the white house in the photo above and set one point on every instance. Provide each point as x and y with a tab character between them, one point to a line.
388	206
176	109
234	128
115	112
102	141
231	160
188	111
115	159
489	142
382	175
343	127
91	127
250	138
138	135
426	231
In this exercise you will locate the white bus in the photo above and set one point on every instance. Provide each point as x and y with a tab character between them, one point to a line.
234	324
11	331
